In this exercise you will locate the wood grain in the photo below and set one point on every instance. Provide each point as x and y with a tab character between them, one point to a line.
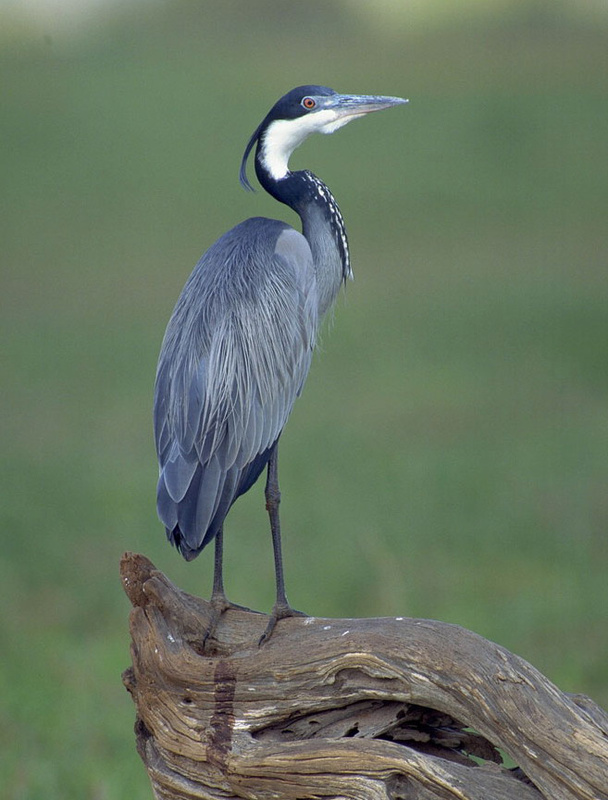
394	708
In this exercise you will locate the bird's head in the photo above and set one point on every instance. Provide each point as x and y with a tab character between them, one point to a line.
302	111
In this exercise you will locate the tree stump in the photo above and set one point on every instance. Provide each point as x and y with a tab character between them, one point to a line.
399	708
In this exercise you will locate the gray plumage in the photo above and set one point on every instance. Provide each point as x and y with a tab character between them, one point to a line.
231	366
239	344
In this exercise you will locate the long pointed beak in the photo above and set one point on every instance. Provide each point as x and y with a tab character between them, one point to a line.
356	105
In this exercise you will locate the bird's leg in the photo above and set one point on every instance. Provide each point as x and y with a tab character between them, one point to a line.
218	595
219	602
281	608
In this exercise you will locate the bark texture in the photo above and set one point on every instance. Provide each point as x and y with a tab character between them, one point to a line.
399	708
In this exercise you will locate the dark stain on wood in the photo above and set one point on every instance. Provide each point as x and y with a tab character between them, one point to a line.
389	708
222	719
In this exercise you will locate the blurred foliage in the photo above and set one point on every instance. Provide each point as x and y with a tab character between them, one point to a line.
449	457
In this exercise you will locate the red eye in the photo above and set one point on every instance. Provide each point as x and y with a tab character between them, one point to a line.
309	102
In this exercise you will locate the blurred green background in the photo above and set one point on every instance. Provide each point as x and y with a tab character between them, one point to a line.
449	457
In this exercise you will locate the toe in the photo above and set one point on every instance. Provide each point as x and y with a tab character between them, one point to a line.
280	611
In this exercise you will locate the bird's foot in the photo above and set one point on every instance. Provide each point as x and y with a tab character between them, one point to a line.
279	611
219	604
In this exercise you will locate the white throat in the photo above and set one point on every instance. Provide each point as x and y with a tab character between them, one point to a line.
283	136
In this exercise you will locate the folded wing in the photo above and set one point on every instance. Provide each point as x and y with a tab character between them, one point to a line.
235	356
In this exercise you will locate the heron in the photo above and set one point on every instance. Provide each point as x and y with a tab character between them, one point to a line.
239	343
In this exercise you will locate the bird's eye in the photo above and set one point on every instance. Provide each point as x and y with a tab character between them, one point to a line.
309	102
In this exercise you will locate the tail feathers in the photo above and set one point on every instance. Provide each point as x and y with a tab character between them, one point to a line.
177	539
194	521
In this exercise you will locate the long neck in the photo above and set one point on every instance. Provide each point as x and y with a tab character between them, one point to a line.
322	225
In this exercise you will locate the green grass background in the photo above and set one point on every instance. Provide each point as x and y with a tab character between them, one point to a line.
449	456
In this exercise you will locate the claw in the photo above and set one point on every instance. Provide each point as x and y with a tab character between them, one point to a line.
279	611
219	604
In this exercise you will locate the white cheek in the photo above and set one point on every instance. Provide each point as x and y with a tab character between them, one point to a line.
284	135
330	127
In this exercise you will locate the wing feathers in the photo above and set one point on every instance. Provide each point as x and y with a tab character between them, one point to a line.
178	471
235	356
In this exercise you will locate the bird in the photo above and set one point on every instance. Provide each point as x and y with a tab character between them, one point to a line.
239	343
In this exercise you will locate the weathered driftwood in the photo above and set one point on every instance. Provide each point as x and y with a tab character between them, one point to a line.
346	708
